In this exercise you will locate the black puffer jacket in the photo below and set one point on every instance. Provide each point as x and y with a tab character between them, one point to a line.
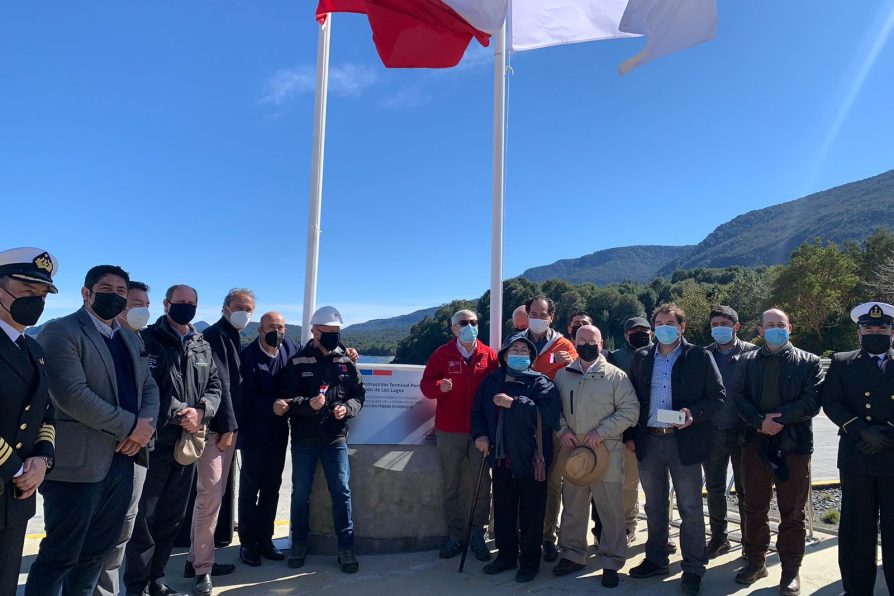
800	377
185	373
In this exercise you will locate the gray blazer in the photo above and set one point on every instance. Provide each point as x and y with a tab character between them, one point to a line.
84	391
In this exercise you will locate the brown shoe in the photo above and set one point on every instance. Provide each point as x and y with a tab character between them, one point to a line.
750	574
790	584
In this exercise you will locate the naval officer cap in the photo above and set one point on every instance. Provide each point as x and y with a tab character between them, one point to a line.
873	313
33	265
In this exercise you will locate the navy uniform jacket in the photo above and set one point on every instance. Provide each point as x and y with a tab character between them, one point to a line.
259	423
857	394
26	422
300	381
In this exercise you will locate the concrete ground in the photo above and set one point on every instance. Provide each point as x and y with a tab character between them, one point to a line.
424	573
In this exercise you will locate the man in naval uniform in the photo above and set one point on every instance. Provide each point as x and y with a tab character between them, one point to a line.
27	434
858	396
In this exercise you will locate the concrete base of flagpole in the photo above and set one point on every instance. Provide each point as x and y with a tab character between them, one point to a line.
397	499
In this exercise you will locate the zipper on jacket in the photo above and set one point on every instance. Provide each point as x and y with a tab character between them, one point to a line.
572	402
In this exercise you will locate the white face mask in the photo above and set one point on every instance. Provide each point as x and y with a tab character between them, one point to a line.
538	326
138	316
239	319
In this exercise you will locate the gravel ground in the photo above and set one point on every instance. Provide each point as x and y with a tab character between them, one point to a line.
823	499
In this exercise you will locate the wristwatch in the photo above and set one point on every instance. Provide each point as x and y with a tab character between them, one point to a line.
49	461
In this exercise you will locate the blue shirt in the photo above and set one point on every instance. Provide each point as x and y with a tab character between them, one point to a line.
660	395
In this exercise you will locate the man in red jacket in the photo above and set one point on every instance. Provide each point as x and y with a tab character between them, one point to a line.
452	376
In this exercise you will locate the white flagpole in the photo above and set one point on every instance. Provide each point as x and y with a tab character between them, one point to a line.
496	247
316	178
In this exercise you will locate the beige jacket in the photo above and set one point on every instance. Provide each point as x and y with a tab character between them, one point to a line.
602	399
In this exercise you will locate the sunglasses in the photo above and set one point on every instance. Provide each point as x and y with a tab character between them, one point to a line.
466	323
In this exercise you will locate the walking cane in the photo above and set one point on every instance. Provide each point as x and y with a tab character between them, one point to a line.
462	561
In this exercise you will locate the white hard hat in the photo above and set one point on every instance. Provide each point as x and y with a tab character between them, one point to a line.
327	315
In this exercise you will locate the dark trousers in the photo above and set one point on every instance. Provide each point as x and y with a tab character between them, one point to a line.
83	522
263	461
519	509
662	459
791	497
162	509
11	542
334	459
863	499
725	450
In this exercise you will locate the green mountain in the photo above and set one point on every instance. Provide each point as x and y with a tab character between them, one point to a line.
847	213
613	265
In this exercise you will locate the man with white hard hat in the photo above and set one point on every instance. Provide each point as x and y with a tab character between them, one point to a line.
858	396
324	390
27	431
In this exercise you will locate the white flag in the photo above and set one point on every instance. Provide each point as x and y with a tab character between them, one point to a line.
484	15
669	26
542	23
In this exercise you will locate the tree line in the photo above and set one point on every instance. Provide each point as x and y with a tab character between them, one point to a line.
818	286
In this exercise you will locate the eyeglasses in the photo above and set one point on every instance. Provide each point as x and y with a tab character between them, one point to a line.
466	323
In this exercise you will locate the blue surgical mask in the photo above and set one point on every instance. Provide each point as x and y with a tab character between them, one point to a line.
723	335
518	362
667	334
776	336
468	334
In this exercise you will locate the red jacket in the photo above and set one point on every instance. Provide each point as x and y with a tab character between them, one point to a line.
454	410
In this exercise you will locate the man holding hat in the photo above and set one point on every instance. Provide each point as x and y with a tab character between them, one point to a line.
27	431
324	391
598	405
858	396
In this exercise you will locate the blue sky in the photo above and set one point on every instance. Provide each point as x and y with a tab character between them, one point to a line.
174	139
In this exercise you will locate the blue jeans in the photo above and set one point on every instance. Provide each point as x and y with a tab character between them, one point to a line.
660	460
83	523
334	459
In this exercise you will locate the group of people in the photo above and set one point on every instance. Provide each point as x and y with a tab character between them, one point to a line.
559	419
148	418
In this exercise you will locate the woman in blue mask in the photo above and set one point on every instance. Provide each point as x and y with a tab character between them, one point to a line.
515	409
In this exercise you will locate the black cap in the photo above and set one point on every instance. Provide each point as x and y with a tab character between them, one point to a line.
636	322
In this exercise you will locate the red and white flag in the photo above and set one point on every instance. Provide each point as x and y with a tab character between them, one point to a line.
423	33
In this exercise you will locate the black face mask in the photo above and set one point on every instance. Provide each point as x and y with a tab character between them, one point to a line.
274	338
182	314
587	352
520	329
875	344
25	310
108	305
638	340
329	339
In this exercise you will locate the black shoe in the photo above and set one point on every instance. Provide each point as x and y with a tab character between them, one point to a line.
479	547
671	547
271	553
217	569
566	566
790	584
610	578
550	554
691	583
647	569
718	547
498	565
451	548
250	556
296	558
751	573
157	587
348	561
526	574
203	585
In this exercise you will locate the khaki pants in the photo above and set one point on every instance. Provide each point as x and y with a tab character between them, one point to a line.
460	462
553	495
576	518
212	470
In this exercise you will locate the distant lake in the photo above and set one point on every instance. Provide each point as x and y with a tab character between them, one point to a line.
376	359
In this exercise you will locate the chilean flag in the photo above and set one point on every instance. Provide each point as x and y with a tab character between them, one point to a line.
423	33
